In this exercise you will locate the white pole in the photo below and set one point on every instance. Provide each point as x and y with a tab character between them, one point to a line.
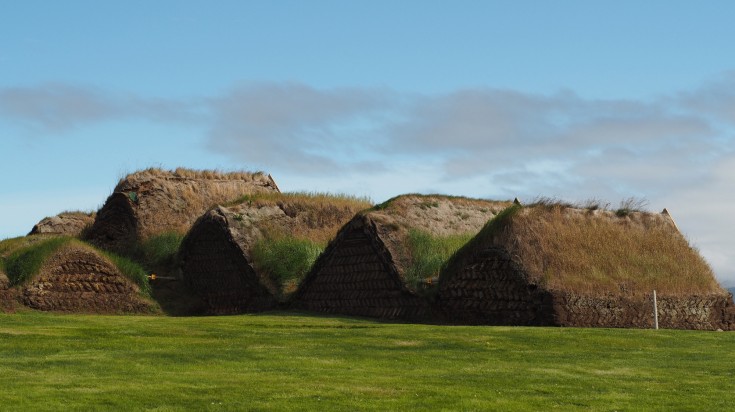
655	310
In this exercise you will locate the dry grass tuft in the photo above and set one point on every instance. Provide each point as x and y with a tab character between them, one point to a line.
551	203
630	205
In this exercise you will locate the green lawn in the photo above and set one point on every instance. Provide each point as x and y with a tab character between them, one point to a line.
295	362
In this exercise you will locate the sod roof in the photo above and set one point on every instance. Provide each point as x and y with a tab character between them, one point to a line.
410	235
64	274
437	215
312	216
255	224
65	224
155	201
595	252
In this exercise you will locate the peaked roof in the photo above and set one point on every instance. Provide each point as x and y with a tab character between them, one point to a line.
436	215
394	221
62	273
315	218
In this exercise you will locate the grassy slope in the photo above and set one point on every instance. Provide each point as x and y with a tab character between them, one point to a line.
26	256
292	362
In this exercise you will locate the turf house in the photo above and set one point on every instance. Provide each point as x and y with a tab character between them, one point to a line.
154	201
551	264
250	255
385	261
63	274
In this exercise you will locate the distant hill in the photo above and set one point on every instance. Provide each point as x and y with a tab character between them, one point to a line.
731	290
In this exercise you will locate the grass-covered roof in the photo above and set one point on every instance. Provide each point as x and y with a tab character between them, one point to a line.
279	234
423	231
65	224
155	201
596	252
22	259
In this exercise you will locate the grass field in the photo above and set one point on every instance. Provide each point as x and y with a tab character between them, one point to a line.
288	361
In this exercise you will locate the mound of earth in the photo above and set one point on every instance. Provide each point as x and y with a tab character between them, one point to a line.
556	265
223	257
78	279
155	201
374	267
64	224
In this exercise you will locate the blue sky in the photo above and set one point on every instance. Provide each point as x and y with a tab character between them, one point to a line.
569	99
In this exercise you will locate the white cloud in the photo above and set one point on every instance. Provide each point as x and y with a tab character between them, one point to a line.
55	107
51	108
296	127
